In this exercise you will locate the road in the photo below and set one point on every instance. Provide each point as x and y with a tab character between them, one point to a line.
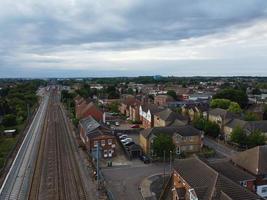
219	148
16	183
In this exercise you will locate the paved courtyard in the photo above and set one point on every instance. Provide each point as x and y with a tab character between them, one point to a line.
124	181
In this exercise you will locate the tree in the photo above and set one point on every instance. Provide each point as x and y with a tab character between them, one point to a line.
238	136
9	120
130	91
235	95
256	138
114	107
173	94
212	129
163	143
256	91
234	108
199	123
249	116
220	103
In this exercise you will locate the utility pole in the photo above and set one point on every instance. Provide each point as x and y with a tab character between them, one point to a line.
164	168
97	165
170	162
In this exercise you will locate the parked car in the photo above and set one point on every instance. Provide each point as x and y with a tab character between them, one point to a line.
124	141
117	123
123	136
129	144
135	126
145	159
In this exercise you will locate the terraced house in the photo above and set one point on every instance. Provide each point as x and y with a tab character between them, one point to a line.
147	112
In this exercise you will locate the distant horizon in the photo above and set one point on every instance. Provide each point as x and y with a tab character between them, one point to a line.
164	76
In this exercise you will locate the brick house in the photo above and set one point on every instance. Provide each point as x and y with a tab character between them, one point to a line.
134	112
254	161
162	100
168	117
193	179
185	137
92	133
146	113
124	107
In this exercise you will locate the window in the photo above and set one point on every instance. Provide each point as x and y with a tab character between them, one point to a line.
95	143
264	190
103	142
109	141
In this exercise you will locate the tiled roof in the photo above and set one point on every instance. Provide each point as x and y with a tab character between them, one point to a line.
89	124
221	112
253	160
236	122
183	130
231	171
257	125
187	130
93	128
210	184
152	107
169	116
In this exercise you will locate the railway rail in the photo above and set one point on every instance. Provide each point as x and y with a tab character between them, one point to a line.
57	174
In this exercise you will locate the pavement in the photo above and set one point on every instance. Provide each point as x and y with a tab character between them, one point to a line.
221	149
151	186
124	181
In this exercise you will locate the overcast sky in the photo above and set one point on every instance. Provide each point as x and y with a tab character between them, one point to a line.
64	38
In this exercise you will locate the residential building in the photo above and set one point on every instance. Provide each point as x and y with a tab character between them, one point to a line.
146	113
247	126
168	117
257	110
185	137
124	107
220	116
92	133
134	112
193	179
194	111
162	100
254	161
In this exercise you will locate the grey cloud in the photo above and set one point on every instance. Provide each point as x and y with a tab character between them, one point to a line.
40	27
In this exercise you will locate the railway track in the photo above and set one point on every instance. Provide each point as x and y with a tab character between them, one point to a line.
57	174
